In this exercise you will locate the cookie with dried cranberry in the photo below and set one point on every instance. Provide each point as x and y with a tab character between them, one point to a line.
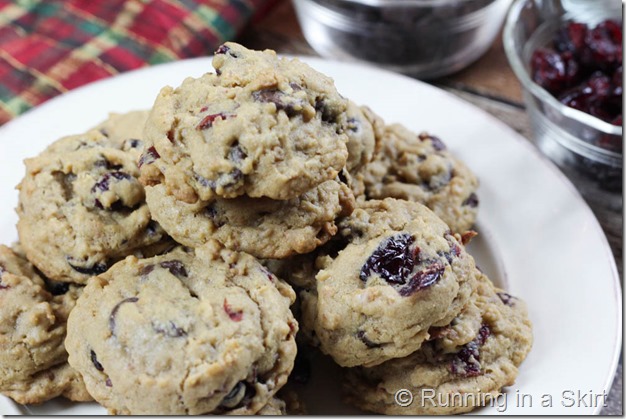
81	205
125	130
188	332
364	131
33	365
447	380
400	272
262	227
260	126
420	168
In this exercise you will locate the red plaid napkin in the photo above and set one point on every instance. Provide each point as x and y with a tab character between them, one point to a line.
49	47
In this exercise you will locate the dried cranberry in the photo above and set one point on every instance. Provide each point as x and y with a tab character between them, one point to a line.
471	201
600	85
171	135
171	330
134	142
267	273
223	49
435	141
232	178
326	112
454	251
104	163
95	269
571	38
211	212
239	396
276	97
393	260
466	362
468	236
423	278
207	121
204	181
506	298
363	338
604	45
176	267
591	96
235	316
146	270
618	80
95	362
115	310
236	153
553	71
439	332
104	181
149	156
435	183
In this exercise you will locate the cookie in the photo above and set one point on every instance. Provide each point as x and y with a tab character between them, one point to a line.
275	407
286	403
125	130
362	139
33	365
420	168
400	272
263	227
58	381
81	206
298	271
188	332
451	377
364	131
260	126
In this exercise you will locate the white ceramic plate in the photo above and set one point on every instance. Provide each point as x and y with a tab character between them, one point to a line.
532	222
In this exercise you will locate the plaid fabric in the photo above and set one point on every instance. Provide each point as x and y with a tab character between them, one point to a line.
49	47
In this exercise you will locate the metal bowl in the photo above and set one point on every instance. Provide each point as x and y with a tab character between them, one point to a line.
422	38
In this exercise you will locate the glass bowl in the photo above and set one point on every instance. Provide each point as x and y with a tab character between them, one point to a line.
421	38
569	137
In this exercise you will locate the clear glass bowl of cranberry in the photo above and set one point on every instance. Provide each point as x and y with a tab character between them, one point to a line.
569	63
421	38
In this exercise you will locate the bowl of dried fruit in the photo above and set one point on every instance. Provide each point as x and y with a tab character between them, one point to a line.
422	38
569	62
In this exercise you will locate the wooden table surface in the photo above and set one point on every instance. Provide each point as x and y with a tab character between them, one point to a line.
489	83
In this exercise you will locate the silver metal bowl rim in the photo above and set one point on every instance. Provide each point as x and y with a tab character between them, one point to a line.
520	71
342	21
407	3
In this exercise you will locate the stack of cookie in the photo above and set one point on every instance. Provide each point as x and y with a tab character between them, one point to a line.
249	156
159	253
